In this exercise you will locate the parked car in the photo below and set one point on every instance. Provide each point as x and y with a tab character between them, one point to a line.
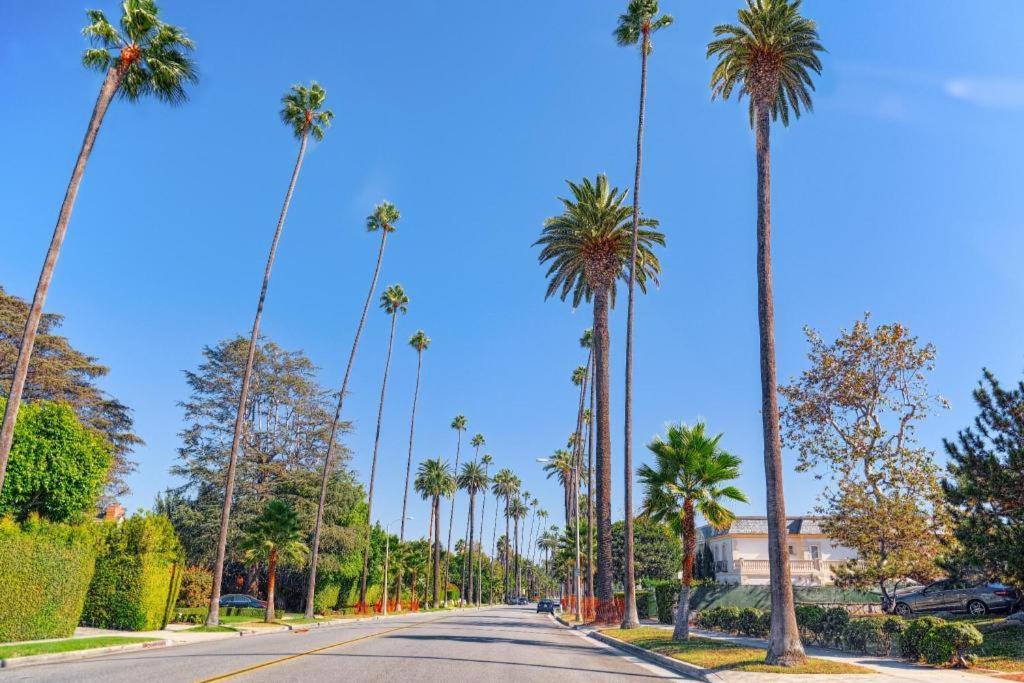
546	606
239	600
949	595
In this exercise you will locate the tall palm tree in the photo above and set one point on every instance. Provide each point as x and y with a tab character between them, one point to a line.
640	20
302	110
275	537
472	479
770	56
152	59
504	486
459	424
517	510
587	342
560	465
393	301
689	476
589	247
383	220
433	480
486	462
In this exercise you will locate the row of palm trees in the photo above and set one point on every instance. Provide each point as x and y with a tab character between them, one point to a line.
769	56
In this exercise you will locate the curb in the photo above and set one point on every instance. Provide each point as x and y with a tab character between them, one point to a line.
674	665
55	657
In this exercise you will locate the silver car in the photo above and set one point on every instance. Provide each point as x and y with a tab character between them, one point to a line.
949	595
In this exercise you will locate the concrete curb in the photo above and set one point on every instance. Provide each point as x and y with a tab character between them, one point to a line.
674	665
55	657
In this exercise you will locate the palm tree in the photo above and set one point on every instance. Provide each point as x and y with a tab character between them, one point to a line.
302	110
433	480
587	342
275	537
383	219
153	59
393	301
459	424
589	247
635	26
560	465
472	480
517	510
689	477
770	56
504	486
486	462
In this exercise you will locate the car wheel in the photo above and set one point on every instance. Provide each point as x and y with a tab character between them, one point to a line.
977	608
903	609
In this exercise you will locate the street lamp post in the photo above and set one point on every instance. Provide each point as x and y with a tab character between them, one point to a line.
578	586
387	557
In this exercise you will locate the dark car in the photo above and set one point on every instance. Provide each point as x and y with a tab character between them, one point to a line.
950	595
546	606
239	600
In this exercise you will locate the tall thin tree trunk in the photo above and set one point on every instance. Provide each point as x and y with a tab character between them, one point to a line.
430	546
335	425
437	550
682	625
606	613
590	485
213	617
472	503
508	545
408	463
515	555
494	549
784	647
480	553
35	311
271	583
373	464
451	518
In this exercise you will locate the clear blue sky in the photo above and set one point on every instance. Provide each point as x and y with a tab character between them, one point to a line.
900	195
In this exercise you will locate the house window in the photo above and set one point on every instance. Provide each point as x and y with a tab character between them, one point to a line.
815	554
791	553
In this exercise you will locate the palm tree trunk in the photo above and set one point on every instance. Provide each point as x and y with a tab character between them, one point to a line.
437	550
451	518
213	617
412	426
515	554
682	626
480	554
35	311
472	503
373	464
494	550
784	647
605	598
335	424
505	559
430	546
590	486
271	582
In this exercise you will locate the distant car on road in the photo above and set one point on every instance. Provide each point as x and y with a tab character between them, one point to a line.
239	600
949	595
546	606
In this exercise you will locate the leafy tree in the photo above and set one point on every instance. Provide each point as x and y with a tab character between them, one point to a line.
383	220
57	467
588	248
985	480
852	417
640	20
393	301
658	551
276	536
153	59
433	480
769	56
302	110
60	372
689	477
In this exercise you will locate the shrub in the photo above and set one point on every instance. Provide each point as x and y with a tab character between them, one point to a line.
190	615
866	636
913	638
326	597
833	624
751	622
138	574
645	605
57	467
809	620
666	595
893	629
45	570
196	586
948	644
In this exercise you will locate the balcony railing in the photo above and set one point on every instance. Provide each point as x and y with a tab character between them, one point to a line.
761	567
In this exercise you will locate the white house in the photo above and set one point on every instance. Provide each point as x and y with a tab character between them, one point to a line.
740	551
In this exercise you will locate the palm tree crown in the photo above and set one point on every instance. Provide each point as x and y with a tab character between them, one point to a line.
394	300
153	57
587	340
419	341
639	22
589	245
277	529
384	217
578	375
459	423
477	441
472	478
434	479
302	110
560	465
769	56
505	484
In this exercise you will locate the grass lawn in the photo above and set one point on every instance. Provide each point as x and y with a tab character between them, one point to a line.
211	629
1003	649
718	655
69	645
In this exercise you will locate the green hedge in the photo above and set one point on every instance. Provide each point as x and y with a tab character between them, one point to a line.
196	586
138	575
197	615
646	605
759	597
45	569
666	595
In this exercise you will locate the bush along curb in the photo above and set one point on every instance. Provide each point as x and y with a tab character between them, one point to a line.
55	657
664	661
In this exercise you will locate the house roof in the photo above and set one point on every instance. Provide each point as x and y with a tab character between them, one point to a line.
759	525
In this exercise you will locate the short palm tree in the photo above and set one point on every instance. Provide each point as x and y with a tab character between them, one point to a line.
152	59
588	248
505	485
472	479
690	475
393	301
275	538
459	424
302	111
433	481
486	461
383	219
640	20
770	56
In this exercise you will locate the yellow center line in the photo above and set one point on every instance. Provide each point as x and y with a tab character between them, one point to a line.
254	667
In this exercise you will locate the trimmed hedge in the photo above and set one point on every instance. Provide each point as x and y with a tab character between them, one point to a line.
45	570
646	605
948	644
666	595
911	645
196	586
722	595
138	575
197	615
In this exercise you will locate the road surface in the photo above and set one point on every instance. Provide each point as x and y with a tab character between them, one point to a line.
499	645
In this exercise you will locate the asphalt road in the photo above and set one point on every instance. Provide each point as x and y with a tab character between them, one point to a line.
487	646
